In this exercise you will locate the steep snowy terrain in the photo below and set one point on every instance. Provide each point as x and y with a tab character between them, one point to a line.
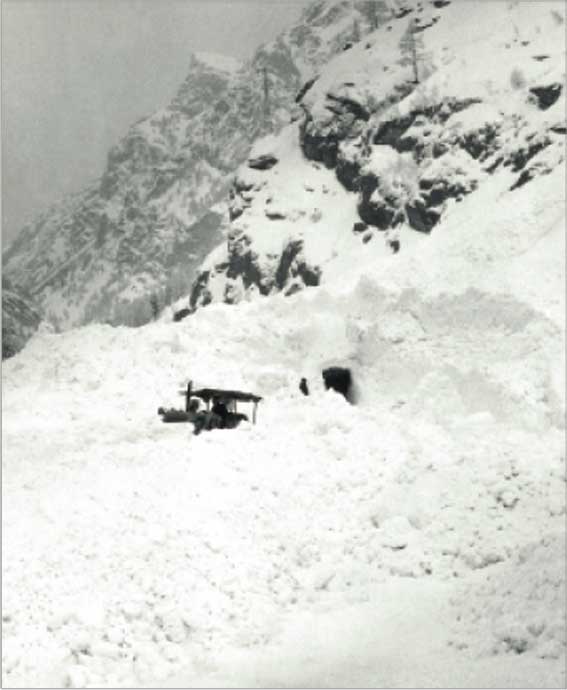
377	161
415	538
144	228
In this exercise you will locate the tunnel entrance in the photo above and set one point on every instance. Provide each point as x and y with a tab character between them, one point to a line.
340	380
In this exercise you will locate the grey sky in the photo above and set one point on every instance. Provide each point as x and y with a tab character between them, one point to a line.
77	73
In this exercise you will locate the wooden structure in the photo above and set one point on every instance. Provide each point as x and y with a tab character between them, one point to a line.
230	398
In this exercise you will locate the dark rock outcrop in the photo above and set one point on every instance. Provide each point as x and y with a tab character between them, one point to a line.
20	319
264	162
294	271
421	217
181	314
290	272
481	143
243	262
320	141
304	89
359	227
548	95
521	156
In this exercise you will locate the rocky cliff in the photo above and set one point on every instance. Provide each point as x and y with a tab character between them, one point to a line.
20	319
140	232
442	101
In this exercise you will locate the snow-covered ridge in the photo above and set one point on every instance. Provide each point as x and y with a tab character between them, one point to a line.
218	61
377	162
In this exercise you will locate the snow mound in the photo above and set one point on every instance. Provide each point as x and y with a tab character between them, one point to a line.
520	608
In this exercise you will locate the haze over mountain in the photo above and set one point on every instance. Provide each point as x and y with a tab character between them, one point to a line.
92	69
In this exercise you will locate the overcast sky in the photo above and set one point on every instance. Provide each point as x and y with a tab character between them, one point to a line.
77	73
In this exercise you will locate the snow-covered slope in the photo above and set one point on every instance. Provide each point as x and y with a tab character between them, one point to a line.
317	547
377	162
413	539
145	226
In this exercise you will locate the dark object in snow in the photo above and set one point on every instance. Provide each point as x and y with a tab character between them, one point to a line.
211	420
305	88
303	387
181	314
229	399
347	46
394	245
173	415
339	379
220	409
223	415
264	162
207	394
275	215
547	95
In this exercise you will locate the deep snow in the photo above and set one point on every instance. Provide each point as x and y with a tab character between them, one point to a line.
415	538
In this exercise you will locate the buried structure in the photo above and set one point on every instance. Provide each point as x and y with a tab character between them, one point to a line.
222	415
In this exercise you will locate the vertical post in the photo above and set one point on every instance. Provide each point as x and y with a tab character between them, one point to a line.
254	412
188	396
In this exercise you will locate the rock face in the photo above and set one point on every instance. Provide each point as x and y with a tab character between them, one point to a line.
20	319
142	229
376	152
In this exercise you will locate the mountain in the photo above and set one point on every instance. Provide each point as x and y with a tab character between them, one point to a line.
20	319
140	232
395	133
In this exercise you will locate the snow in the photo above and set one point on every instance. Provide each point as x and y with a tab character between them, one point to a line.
413	539
135	553
311	202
